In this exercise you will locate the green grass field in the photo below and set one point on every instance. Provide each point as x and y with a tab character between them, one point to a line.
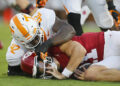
25	81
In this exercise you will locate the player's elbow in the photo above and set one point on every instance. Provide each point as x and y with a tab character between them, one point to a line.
78	50
13	61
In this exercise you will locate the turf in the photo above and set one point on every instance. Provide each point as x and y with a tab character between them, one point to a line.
5	80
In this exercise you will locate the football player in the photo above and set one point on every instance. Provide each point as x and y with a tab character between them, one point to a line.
43	26
105	57
98	8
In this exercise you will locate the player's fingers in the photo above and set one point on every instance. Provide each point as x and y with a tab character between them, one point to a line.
76	76
78	72
49	72
82	75
49	68
84	69
81	78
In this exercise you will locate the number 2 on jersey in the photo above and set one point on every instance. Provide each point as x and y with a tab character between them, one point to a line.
13	48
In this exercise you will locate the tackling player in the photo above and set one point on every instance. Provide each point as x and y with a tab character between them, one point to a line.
43	26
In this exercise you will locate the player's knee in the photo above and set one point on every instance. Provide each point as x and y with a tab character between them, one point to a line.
12	61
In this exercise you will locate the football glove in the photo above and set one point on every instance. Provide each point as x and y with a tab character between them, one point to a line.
116	17
40	3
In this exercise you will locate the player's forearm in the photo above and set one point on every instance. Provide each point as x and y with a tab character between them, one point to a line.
63	35
75	59
76	52
101	73
108	75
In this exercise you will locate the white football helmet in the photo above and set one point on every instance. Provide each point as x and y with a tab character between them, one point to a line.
25	30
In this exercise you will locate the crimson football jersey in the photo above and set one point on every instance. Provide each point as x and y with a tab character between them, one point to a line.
89	41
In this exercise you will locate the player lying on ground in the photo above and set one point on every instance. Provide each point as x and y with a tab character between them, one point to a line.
44	26
101	49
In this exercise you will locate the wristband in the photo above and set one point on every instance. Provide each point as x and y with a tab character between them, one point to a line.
67	73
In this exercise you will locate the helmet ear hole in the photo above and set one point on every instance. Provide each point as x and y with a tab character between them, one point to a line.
12	27
23	19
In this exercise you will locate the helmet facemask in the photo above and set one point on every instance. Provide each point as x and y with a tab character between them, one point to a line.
42	74
38	38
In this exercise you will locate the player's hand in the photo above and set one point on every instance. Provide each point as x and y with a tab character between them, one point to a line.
115	14
116	17
55	73
41	3
44	46
79	74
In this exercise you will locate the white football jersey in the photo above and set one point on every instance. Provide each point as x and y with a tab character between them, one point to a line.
46	18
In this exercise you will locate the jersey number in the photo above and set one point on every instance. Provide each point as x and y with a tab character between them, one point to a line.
13	48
